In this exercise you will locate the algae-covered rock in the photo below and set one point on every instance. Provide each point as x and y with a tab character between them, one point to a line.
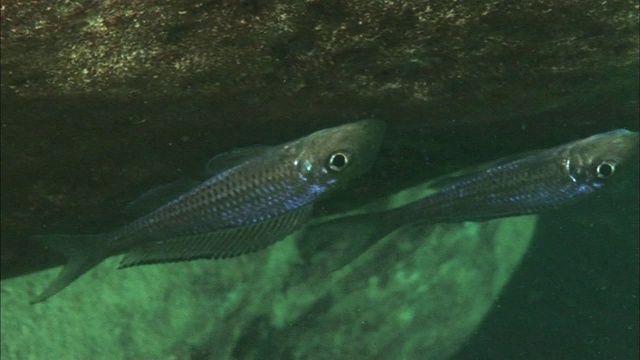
416	293
414	51
104	100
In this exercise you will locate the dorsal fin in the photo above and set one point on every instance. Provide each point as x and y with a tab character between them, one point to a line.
233	158
450	179
158	196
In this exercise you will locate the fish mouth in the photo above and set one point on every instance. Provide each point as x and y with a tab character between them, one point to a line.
359	141
620	144
616	148
366	140
371	131
372	126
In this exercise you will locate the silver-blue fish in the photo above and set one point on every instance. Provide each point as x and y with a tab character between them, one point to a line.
530	183
524	184
262	195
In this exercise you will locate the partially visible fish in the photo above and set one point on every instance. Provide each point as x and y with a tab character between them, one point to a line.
262	195
530	183
524	184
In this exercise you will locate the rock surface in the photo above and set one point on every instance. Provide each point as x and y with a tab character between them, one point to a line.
102	101
420	291
417	52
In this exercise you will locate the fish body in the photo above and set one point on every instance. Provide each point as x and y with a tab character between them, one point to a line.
529	183
523	184
262	195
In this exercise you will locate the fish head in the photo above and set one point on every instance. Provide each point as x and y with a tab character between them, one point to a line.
331	157
602	157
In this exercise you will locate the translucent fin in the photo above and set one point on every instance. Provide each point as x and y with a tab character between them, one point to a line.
219	244
233	158
158	196
336	242
458	176
82	253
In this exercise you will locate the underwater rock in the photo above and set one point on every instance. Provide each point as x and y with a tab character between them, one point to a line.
102	101
465	53
417	293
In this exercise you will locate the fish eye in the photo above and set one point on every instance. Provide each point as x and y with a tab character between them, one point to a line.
338	161
605	169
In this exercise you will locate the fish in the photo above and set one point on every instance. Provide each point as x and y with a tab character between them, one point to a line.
523	184
258	196
530	183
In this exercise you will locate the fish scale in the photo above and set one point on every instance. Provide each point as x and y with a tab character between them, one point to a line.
523	184
259	197
224	204
226	243
528	183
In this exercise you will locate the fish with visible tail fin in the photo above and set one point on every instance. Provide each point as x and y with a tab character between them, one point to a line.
262	195
524	184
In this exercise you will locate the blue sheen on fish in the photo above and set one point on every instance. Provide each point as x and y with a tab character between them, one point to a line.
524	184
529	183
260	195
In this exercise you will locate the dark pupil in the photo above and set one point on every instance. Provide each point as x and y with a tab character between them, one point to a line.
605	170
337	161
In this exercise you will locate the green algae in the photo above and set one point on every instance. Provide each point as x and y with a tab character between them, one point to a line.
421	290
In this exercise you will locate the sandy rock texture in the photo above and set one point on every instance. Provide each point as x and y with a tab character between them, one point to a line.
104	100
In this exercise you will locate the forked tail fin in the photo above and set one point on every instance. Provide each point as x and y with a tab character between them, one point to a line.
83	252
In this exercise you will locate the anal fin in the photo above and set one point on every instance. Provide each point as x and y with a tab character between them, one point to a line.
219	244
